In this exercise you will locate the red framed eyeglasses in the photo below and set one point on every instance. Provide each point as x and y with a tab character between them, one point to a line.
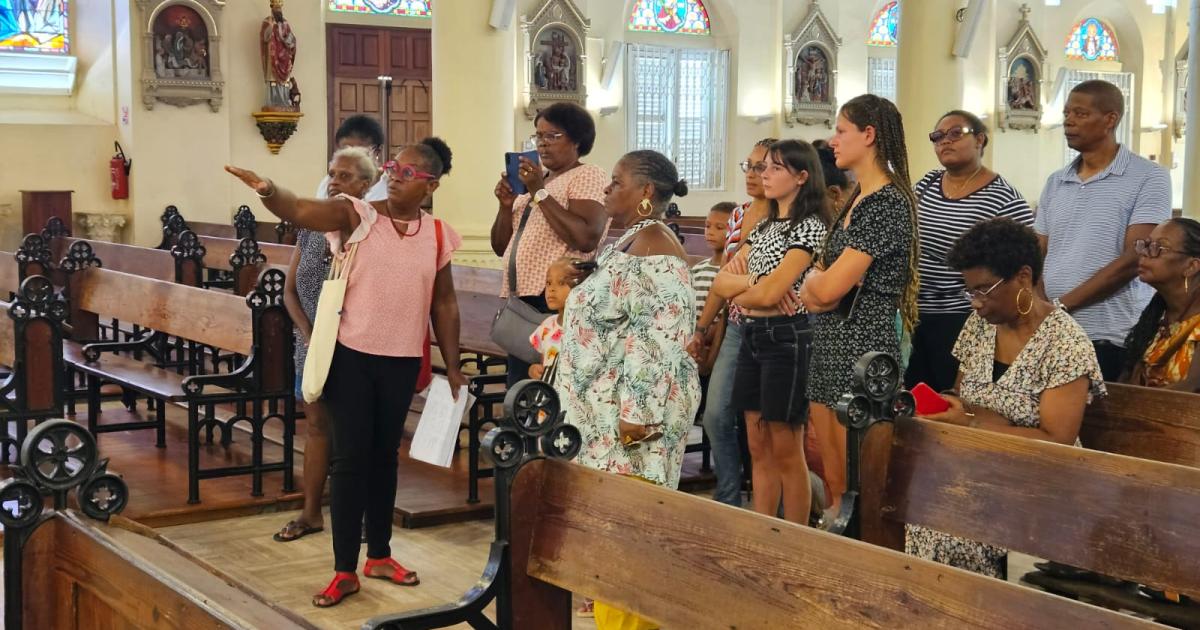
406	172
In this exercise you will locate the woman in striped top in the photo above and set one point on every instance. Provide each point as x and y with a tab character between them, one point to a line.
950	200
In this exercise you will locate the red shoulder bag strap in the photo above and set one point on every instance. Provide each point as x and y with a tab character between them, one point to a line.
425	376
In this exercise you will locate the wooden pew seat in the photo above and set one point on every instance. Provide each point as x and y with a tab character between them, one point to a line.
140	376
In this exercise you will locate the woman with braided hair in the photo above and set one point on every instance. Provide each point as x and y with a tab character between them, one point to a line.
866	271
1162	345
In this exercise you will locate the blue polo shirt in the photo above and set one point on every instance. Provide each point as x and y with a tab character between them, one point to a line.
1085	222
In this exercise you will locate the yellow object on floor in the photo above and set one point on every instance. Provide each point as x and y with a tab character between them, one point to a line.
609	618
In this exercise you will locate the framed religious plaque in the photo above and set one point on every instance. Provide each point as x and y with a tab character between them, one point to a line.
181	52
1021	72
810	71
555	56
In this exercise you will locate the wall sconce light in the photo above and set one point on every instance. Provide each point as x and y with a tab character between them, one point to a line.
608	111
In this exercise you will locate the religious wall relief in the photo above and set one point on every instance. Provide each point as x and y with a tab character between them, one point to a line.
811	71
181	56
555	55
1022	71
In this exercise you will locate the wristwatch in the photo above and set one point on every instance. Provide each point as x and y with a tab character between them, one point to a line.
540	196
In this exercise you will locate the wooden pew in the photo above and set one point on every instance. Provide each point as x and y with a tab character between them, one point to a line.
1150	423
687	562
81	575
1130	518
243	259
255	328
31	352
244	225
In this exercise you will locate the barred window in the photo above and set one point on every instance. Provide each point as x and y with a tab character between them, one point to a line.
881	77
677	103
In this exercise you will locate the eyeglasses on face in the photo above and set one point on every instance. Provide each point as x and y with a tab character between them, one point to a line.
405	172
547	137
757	167
979	295
953	134
1149	248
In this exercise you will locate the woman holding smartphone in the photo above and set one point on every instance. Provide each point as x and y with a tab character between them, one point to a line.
562	212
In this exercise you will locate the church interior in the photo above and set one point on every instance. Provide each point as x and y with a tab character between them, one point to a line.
147	489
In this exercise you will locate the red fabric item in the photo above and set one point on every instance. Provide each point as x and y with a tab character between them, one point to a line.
425	376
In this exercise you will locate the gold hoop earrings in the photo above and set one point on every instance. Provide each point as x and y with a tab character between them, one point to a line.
1024	311
1185	285
645	208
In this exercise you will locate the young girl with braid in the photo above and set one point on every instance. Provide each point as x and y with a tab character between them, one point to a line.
866	271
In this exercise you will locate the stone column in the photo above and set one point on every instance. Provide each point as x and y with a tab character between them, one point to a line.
1191	149
474	111
928	75
102	226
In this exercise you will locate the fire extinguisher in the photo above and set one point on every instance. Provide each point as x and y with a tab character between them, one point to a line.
118	170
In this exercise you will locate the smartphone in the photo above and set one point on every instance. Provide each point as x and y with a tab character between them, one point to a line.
846	306
512	165
928	401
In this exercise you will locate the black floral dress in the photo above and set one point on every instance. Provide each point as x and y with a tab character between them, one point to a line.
311	271
880	226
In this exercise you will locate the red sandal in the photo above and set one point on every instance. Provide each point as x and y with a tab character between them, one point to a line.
336	592
399	575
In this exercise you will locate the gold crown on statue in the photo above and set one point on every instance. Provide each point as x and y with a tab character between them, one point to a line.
276	4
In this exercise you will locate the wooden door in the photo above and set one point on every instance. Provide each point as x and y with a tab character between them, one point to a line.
358	57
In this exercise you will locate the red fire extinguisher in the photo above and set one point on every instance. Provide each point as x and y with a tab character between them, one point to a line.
118	170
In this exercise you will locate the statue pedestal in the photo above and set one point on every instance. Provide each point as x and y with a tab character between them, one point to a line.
102	226
276	127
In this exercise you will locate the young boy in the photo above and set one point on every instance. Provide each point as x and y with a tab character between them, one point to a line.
704	271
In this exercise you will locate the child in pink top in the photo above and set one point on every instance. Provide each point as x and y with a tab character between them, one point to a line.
547	339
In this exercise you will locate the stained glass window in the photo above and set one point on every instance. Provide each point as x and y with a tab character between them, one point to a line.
883	27
1092	40
670	16
411	8
35	26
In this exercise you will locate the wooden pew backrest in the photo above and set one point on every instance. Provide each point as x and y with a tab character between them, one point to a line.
1117	515
217	319
218	251
1157	424
692	563
138	261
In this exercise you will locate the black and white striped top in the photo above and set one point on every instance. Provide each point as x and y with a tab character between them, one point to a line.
942	221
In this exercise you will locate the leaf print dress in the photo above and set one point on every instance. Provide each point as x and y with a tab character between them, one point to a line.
624	357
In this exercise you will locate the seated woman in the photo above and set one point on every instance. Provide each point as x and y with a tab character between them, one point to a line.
1162	344
1025	367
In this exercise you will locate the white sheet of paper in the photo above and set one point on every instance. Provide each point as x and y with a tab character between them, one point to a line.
434	440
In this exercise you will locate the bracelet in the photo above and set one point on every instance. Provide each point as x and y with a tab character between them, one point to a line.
269	194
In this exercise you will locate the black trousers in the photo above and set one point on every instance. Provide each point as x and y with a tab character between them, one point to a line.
932	361
369	396
518	370
1111	358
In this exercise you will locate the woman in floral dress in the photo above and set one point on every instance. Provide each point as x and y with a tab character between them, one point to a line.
1025	367
624	375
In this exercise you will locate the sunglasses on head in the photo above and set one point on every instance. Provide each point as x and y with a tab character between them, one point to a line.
406	172
954	134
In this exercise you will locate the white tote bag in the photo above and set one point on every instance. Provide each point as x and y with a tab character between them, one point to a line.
325	328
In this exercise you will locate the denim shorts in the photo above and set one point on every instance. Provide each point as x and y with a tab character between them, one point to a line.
772	368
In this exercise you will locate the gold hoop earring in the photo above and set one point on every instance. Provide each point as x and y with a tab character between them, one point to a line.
645	208
1185	285
1025	311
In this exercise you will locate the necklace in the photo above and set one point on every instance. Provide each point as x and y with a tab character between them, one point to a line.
963	186
405	234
